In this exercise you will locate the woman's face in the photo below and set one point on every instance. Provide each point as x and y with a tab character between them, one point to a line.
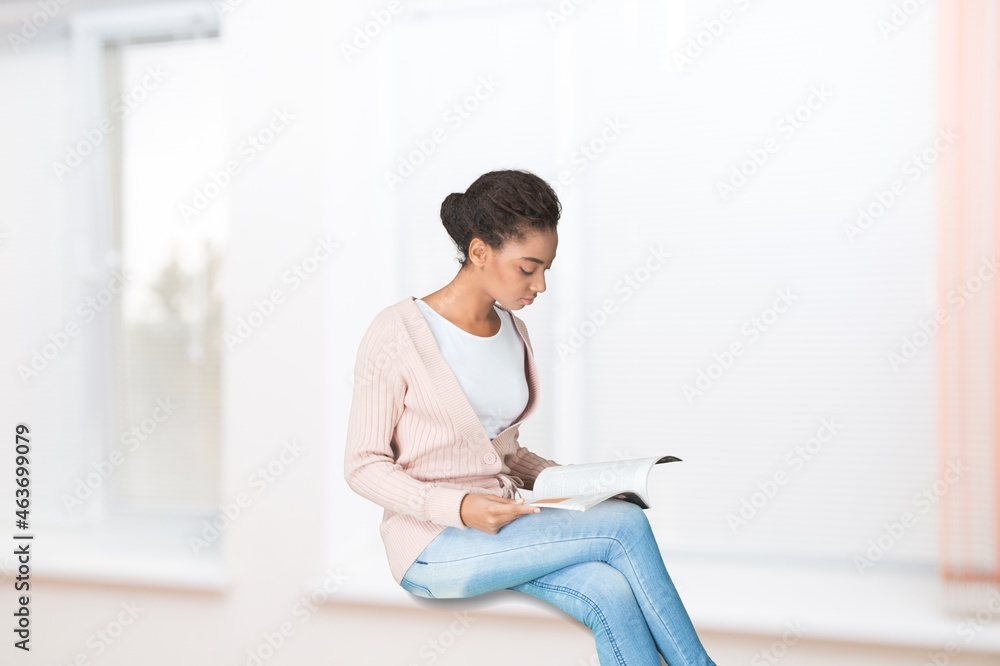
517	272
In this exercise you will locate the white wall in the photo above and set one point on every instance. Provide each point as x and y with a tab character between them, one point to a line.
292	377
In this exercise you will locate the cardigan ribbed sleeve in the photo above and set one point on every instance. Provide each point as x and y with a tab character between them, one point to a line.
526	465
369	464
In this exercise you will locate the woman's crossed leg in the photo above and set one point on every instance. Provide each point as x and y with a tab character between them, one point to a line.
535	547
598	595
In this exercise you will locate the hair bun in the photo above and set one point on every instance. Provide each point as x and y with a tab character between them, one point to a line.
451	215
498	207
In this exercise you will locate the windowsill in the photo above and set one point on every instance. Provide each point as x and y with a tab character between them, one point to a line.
885	606
368	581
127	550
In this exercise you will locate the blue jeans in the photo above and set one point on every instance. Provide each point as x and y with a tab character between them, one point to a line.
601	566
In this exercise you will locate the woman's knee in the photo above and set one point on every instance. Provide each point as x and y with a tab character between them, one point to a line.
604	592
628	518
620	506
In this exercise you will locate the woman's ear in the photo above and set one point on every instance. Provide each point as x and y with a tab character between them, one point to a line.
478	252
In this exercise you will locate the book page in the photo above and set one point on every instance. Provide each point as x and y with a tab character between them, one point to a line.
613	477
575	503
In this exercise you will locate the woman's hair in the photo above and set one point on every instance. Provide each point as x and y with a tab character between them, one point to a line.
499	207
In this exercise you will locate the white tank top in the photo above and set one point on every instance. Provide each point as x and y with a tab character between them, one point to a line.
489	370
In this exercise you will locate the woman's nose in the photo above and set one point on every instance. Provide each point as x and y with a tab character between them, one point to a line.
539	289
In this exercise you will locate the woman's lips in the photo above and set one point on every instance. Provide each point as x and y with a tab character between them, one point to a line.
527	301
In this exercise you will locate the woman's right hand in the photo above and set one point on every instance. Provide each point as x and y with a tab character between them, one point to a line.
488	513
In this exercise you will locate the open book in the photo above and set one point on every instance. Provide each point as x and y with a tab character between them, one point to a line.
580	486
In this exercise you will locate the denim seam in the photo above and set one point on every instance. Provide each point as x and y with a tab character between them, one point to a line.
593	604
535	545
666	625
418	586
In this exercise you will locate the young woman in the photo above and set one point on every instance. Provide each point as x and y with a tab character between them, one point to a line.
442	384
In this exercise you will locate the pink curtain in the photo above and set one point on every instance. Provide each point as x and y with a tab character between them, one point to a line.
967	339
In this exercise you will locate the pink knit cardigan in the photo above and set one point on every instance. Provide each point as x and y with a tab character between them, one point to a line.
414	443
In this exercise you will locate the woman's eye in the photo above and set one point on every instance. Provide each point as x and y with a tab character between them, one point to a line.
526	272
